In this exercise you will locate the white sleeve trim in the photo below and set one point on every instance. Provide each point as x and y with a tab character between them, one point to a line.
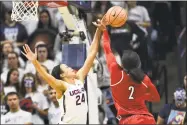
119	81
144	84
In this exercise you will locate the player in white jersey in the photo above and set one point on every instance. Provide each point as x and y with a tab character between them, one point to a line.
67	83
74	103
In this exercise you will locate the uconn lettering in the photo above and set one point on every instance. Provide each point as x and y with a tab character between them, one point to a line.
77	91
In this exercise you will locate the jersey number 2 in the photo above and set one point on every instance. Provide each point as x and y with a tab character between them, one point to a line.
131	88
80	99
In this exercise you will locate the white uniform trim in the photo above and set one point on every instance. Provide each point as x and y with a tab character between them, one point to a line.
120	80
144	84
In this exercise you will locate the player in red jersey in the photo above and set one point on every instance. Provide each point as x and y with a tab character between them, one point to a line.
130	86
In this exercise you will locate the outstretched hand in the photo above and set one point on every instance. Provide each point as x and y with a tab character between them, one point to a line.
28	53
101	24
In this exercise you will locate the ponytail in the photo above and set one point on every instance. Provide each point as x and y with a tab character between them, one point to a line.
132	65
137	75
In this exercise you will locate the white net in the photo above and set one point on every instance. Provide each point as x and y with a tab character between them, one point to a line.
24	10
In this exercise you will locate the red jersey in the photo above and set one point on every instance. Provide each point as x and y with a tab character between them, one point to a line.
129	97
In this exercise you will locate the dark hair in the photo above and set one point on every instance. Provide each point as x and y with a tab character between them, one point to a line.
132	65
8	79
23	90
45	46
14	53
2	46
11	93
40	24
16	56
56	72
41	45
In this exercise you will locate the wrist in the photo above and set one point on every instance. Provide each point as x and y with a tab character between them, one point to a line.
34	61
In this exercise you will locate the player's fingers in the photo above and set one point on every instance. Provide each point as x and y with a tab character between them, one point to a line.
104	20
23	54
94	23
24	49
35	51
98	21
27	47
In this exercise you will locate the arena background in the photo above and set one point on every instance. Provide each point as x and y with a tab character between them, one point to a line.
167	71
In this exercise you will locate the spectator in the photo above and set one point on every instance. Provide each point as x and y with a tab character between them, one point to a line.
45	21
164	24
15	115
99	8
55	113
119	3
42	53
170	112
2	12
13	31
185	82
139	15
57	20
7	47
40	104
42	85
12	82
101	107
13	62
2	103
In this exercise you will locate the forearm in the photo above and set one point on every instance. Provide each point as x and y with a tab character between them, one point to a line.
110	58
44	74
81	74
95	43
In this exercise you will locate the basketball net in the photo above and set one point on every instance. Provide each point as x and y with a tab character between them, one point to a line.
24	10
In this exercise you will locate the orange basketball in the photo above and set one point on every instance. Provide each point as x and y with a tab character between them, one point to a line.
116	16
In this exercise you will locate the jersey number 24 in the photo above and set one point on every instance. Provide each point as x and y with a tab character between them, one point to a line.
80	99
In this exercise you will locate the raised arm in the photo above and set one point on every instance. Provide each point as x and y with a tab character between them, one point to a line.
81	74
116	72
110	58
54	83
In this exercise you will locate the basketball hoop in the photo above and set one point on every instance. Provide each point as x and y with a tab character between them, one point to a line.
24	10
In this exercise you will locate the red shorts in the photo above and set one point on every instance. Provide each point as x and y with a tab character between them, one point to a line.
138	119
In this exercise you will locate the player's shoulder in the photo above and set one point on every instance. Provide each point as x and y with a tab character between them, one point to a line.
146	79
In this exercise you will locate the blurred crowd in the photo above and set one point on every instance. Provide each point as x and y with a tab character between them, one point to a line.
151	30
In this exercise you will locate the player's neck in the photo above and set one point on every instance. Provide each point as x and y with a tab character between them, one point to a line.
70	80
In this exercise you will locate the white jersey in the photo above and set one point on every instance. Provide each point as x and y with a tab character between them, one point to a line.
74	104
